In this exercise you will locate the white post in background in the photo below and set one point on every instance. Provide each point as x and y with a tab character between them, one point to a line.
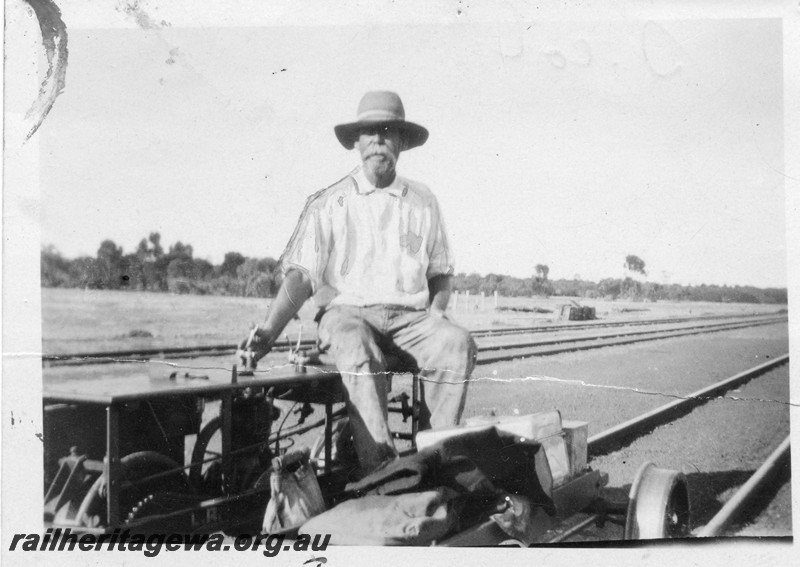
466	301
495	299
483	298
455	301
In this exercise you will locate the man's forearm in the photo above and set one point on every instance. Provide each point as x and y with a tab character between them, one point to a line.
440	288
295	290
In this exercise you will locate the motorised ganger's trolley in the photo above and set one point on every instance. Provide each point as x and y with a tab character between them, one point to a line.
137	453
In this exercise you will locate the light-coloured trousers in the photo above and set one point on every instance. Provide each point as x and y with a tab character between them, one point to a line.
360	338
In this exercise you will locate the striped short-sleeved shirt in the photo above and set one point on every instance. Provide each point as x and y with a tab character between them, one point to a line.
365	246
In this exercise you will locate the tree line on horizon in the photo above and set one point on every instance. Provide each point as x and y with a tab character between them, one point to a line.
151	268
175	270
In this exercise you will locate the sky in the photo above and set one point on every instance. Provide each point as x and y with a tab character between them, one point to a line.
565	143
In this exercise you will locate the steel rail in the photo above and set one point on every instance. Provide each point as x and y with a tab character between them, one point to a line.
568	326
582	338
109	357
577	528
619	435
749	489
572	346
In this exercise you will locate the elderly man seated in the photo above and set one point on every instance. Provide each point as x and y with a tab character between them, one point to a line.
372	250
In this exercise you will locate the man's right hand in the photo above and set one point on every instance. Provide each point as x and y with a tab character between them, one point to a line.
295	290
260	343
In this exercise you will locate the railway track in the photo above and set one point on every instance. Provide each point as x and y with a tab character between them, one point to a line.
746	491
617	436
571	343
568	326
513	350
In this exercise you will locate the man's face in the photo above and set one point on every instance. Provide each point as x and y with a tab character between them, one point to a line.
379	146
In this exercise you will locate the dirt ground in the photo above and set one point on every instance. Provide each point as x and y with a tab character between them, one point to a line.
610	385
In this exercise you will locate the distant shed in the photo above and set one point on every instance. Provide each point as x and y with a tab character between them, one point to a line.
576	313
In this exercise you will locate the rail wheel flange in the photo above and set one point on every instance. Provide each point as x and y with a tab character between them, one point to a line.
658	506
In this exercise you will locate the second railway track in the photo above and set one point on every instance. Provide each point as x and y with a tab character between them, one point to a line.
517	349
586	342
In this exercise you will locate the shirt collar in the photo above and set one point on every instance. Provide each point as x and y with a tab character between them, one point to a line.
398	188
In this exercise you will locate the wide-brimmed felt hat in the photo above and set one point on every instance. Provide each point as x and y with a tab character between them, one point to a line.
381	108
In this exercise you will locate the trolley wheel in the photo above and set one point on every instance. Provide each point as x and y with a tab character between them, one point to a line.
206	478
136	486
658	507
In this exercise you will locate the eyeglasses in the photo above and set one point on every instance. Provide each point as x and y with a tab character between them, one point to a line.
378	130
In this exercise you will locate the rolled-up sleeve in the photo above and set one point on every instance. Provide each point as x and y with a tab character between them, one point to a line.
440	256
307	249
